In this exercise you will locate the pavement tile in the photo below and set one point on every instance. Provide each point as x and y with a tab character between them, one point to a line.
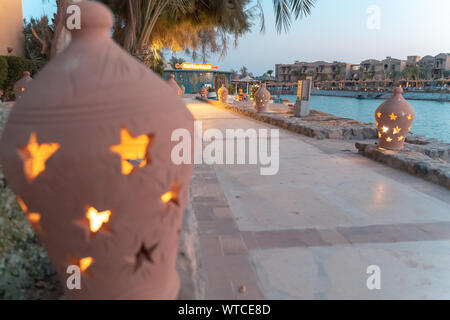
235	267
233	244
219	289
249	240
217	227
332	237
210	246
222	213
252	291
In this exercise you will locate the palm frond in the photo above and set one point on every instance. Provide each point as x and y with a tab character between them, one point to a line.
286	10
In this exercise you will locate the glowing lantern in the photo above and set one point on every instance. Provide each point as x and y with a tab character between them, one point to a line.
394	119
88	152
262	98
21	86
176	88
223	94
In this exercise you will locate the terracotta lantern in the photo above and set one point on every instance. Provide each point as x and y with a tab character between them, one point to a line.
262	98
394	119
223	94
174	84
204	92
88	153
21	86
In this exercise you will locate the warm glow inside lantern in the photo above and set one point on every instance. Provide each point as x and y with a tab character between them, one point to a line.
394	119
35	155
262	98
133	150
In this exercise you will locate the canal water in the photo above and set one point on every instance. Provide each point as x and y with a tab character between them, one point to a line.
432	118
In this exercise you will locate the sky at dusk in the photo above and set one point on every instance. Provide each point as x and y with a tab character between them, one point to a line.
337	30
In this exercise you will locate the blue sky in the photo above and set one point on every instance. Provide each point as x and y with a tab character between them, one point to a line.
336	30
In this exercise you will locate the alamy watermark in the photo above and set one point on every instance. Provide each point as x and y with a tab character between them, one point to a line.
73	17
73	281
374	17
374	280
214	147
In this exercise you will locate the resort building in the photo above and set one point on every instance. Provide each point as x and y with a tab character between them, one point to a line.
11	28
381	70
441	65
319	70
371	69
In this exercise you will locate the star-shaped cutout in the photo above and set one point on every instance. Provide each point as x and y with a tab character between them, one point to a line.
409	117
389	139
133	150
172	195
85	263
33	217
144	255
95	222
379	134
401	138
97	219
397	130
379	114
393	117
35	155
385	129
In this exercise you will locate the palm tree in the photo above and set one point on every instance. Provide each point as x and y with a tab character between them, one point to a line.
244	72
175	60
193	24
298	74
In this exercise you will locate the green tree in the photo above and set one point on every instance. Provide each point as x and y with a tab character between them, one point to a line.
175	60
244	72
194	25
298	74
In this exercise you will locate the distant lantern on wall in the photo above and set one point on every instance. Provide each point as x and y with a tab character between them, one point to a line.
21	86
394	119
223	94
262	98
88	153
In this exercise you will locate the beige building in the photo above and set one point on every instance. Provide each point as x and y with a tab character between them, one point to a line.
381	70
441	65
11	27
319	70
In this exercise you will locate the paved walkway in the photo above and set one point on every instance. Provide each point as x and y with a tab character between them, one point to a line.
312	230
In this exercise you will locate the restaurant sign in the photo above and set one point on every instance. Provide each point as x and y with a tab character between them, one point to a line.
196	66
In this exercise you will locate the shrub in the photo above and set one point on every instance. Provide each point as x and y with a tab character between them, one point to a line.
16	68
23	261
3	71
231	89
